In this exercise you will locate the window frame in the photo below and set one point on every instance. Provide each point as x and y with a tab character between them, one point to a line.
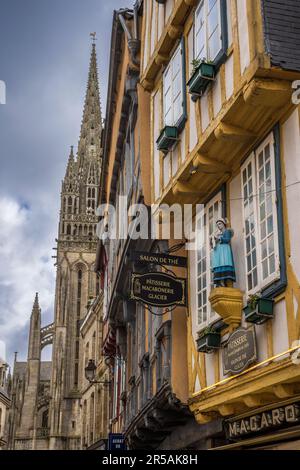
222	15
275	283
182	118
219	197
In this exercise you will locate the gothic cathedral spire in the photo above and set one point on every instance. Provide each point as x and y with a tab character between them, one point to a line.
76	280
79	187
91	126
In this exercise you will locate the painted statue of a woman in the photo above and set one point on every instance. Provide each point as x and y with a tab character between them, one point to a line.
222	258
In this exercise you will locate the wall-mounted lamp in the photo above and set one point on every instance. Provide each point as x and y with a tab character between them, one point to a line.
90	373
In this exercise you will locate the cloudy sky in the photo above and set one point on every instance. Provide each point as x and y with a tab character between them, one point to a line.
44	58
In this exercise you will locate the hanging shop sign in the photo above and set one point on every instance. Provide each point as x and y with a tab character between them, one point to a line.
262	421
158	289
159	258
240	351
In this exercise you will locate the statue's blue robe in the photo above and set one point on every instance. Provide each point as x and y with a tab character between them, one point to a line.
222	259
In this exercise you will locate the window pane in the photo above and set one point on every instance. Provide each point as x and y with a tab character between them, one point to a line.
262	211
211	4
213	30
249	226
177	109
265	269
167	85
176	62
200	32
214	45
270	225
264	250
271	244
177	85
213	20
255	280
263	230
272	264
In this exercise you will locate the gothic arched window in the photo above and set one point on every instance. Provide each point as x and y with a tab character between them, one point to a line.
45	416
78	310
70	205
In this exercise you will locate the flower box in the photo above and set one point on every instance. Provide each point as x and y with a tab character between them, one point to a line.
162	2
208	342
202	76
167	138
259	313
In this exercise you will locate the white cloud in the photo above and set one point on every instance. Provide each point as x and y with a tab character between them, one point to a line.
26	267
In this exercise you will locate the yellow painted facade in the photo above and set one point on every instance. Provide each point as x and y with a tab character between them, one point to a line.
248	97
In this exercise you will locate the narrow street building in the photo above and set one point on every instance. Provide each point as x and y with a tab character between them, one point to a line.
177	304
146	348
95	394
225	137
5	402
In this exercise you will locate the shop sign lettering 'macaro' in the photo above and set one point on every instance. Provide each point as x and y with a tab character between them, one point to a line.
263	421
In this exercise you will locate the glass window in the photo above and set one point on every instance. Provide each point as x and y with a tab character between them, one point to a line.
173	89
208	36
260	217
205	227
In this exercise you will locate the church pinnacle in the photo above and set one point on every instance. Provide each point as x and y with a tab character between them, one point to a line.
91	127
36	305
79	188
34	333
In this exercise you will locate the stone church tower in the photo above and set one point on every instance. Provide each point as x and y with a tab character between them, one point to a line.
76	280
45	411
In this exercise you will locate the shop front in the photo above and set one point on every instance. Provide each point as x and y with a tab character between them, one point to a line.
272	427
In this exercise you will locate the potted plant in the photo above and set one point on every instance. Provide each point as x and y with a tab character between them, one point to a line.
208	340
258	309
167	138
203	73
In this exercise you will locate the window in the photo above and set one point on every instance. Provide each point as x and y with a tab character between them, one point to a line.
128	168
205	227
45	416
260	217
70	205
97	284
119	384
173	91
210	36
78	301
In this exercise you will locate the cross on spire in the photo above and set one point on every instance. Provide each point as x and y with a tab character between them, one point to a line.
93	37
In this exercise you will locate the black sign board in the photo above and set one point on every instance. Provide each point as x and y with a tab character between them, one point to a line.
240	351
258	422
159	258
116	442
158	289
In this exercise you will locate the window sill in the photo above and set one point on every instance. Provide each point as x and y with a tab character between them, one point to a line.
272	290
